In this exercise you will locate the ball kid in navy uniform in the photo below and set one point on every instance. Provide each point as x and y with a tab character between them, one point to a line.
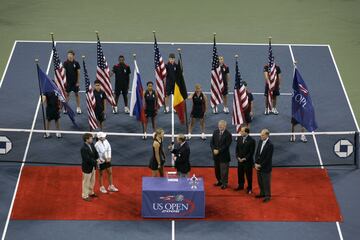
249	111
150	107
226	79
172	69
72	70
275	91
100	98
52	112
122	81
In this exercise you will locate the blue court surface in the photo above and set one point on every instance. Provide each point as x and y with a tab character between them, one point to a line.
21	121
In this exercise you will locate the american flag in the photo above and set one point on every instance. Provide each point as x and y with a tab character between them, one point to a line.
240	103
90	101
160	74
217	84
272	76
60	75
103	74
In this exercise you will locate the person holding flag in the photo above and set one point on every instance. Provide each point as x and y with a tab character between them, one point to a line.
47	87
272	75
52	112
137	96
217	84
172	72
226	79
302	110
160	75
72	70
100	98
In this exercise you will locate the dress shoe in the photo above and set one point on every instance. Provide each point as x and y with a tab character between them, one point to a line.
266	200
239	188
218	184
93	195
223	187
249	191
259	196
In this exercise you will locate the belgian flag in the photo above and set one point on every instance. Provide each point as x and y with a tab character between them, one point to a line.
180	94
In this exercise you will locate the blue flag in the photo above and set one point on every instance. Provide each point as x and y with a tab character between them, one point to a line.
48	86
302	107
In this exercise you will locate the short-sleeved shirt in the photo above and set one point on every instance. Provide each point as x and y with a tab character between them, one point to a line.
71	69
52	101
122	75
278	71
171	75
99	101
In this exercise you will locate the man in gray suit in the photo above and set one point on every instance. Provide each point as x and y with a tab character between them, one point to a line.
263	165
220	145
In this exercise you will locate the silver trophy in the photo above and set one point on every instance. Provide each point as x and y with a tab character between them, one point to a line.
194	181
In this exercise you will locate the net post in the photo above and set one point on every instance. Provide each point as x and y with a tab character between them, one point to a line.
356	150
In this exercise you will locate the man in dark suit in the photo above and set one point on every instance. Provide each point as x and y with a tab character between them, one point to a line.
182	157
245	149
90	159
220	145
263	165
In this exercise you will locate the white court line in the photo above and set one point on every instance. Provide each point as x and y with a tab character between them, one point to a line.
172	229
179	43
313	133
7	64
343	87
24	158
126	134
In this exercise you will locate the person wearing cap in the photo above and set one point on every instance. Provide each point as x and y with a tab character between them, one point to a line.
72	71
104	150
122	82
172	69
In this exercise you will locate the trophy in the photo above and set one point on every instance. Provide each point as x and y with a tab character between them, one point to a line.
194	181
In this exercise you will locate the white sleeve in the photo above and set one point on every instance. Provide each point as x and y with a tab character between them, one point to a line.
99	149
107	149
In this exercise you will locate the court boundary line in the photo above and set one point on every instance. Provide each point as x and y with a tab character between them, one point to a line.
24	157
344	89
7	64
313	133
175	43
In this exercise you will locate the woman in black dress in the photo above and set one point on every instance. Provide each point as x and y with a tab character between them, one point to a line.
150	107
52	112
198	110
157	160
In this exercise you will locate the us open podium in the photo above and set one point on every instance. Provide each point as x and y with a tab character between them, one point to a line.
168	199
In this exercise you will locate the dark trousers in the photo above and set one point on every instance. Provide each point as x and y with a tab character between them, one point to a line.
245	169
222	172
264	180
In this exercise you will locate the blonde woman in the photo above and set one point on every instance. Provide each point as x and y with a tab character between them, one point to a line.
157	160
198	110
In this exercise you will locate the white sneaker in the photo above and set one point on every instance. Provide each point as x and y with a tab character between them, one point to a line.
215	110
167	109
226	110
203	137
275	111
102	189
127	110
78	110
292	138
58	135
303	139
47	135
112	188
189	136
266	111
115	110
64	111
145	136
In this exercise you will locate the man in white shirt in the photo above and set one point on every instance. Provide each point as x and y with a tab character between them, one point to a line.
104	149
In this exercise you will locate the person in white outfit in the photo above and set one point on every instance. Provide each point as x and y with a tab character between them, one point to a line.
104	149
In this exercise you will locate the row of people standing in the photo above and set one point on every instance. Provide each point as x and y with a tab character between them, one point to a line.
220	147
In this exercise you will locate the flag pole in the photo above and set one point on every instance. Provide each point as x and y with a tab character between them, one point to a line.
41	100
83	58
182	70
237	127
142	124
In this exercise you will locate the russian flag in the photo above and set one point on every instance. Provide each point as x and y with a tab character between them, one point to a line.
137	93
